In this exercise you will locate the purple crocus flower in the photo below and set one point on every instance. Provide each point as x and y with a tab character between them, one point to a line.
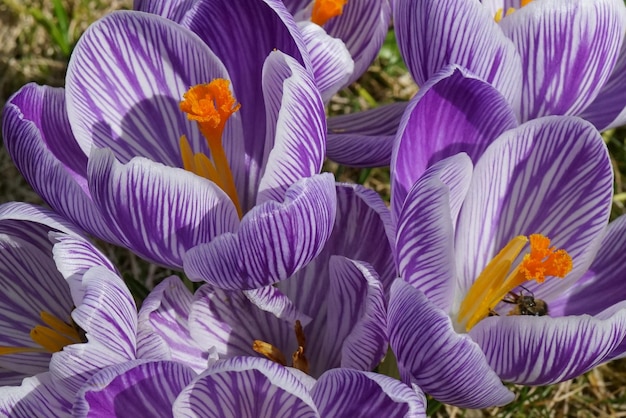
64	311
120	155
330	314
470	190
549	57
243	387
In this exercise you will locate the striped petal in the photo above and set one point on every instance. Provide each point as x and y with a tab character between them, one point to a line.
137	388
425	238
31	285
448	366
332	63
124	82
355	328
362	26
543	350
434	33
350	393
73	257
603	284
568	50
455	112
245	387
165	314
261	28
273	242
608	110
296	127
174	10
107	312
38	137
161	211
231	322
550	176
364	139
35	397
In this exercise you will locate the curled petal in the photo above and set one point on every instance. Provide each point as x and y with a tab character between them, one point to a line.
162	211
455	112
450	367
248	387
274	240
136	388
544	350
350	393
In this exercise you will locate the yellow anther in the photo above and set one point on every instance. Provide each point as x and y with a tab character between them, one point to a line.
495	281
210	105
298	359
500	13
324	10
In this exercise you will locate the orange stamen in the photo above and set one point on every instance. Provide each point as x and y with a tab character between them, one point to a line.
298	359
495	282
500	13
210	105
324	10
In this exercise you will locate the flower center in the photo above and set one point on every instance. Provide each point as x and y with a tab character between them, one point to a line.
500	13
495	281
298	359
210	105
324	10
51	337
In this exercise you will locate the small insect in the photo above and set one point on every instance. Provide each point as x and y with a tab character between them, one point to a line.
526	304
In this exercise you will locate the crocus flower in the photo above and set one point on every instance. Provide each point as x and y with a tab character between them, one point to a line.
547	57
243	387
58	311
123	151
469	202
330	314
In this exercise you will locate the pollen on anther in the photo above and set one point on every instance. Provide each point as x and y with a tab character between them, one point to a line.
543	260
324	10
211	104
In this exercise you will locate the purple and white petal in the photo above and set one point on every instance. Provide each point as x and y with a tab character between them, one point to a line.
364	139
230	322
38	137
455	112
601	286
432	34
173	10
271	299
425	237
246	387
35	397
31	286
356	322
446	365
164	316
125	80
73	257
349	393
550	176
162	211
362	26
608	110
136	388
296	127
568	50
332	64
107	311
274	240
544	350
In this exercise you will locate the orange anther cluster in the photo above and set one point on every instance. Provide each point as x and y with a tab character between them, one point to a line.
544	261
324	10
210	104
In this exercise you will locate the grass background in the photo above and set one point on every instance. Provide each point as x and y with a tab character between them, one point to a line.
36	39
